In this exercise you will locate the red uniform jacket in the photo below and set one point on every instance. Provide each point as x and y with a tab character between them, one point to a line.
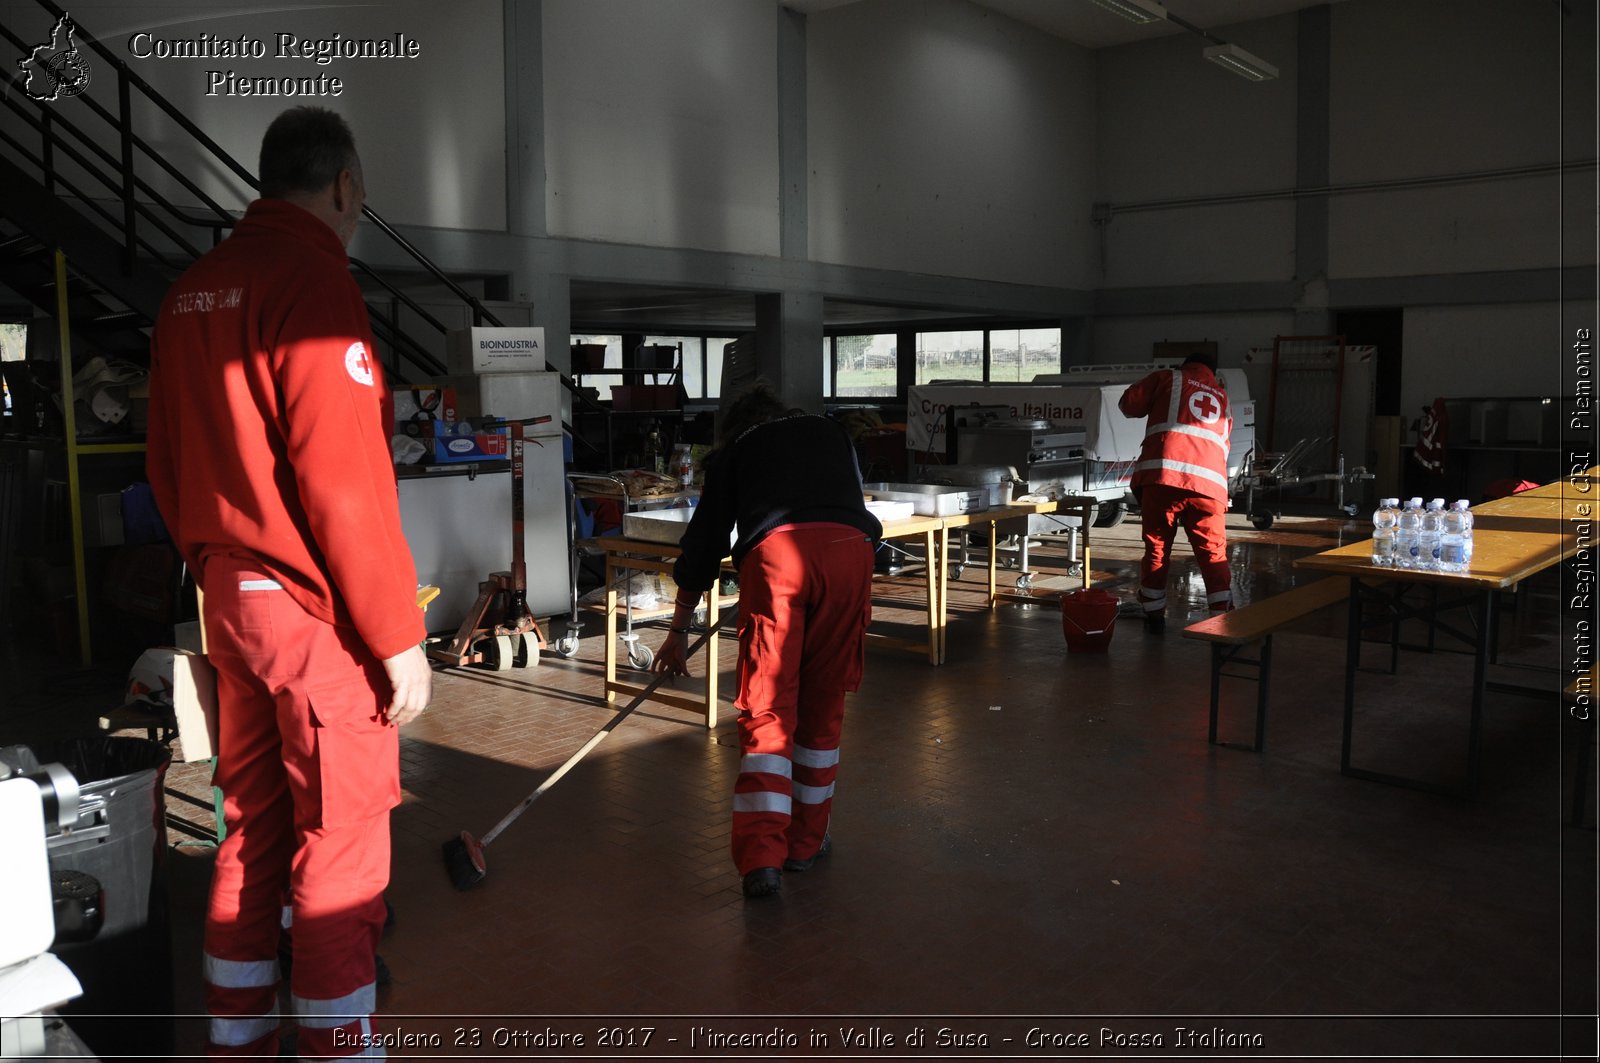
1186	436
267	432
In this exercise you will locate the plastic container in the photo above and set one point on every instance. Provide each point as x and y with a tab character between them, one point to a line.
1088	620
1383	532
120	840
1455	538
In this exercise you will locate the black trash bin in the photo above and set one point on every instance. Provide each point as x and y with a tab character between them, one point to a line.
119	840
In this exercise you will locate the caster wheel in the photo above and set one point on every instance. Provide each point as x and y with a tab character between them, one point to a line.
498	653
525	651
957	570
1262	521
567	646
1075	570
640	656
1024	581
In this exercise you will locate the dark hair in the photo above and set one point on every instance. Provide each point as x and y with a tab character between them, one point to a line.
304	150
1207	360
755	405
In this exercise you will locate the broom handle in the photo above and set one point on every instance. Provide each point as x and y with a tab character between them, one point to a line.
598	737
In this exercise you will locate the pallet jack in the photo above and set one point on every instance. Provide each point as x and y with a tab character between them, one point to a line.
499	632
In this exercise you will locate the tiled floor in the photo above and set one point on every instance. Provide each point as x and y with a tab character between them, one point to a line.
1020	833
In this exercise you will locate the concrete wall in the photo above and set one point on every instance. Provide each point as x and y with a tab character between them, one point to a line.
1173	127
1430	90
430	129
945	138
661	123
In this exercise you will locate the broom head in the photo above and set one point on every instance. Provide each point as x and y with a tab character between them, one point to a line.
463	859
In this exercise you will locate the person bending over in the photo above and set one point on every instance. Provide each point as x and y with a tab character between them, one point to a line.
790	485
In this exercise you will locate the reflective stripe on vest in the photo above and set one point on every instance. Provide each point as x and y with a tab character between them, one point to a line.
1190	430
1199	471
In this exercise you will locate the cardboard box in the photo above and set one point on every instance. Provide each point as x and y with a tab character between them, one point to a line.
495	350
461	442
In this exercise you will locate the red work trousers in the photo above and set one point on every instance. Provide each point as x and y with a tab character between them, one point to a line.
309	770
805	598
1162	510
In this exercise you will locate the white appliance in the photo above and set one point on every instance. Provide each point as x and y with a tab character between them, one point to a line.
32	980
458	524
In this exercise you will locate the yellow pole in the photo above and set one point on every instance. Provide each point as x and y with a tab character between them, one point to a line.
70	422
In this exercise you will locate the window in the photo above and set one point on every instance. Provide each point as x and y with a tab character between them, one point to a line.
827	366
865	366
13	348
715	348
949	355
693	362
1022	354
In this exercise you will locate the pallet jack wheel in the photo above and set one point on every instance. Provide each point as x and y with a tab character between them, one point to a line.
1261	520
498	652
525	651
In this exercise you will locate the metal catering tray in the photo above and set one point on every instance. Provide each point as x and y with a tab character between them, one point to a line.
931	500
662	526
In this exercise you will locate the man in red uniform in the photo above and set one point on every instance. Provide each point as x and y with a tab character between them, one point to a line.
790	485
1182	479
268	454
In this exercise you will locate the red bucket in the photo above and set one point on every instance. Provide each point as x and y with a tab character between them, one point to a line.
1088	618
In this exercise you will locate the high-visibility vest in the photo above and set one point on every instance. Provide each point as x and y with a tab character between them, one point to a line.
1186	434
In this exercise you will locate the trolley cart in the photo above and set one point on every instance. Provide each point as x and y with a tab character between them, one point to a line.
1273	472
512	638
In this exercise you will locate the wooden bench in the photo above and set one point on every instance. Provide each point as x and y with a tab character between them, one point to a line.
1229	633
1582	686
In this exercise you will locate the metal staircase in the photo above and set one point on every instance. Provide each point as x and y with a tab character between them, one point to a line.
83	178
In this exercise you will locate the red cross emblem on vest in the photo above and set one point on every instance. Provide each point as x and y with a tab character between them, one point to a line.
1204	407
357	364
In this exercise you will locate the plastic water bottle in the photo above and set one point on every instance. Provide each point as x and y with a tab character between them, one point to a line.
1455	539
1408	535
1383	532
1432	531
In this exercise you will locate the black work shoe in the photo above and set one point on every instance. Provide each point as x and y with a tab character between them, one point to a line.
763	882
796	864
1155	624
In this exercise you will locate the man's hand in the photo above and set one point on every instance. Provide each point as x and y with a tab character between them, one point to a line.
411	680
671	658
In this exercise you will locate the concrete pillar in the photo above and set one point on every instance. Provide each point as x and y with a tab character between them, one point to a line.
789	346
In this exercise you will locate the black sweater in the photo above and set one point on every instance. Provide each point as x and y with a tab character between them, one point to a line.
796	470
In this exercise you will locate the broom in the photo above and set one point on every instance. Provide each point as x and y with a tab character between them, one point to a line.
463	856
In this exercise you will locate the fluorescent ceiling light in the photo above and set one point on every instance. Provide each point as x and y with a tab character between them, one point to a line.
1234	58
1140	11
